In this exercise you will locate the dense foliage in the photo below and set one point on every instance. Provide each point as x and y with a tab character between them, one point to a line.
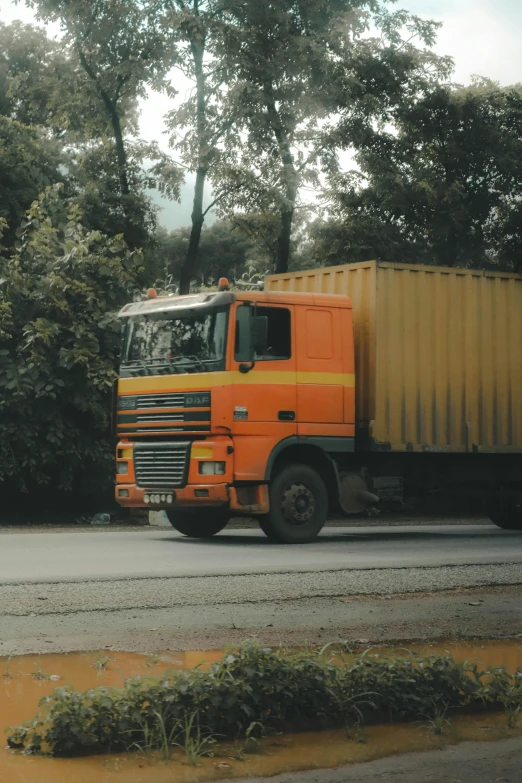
29	162
300	68
268	689
444	186
60	289
228	248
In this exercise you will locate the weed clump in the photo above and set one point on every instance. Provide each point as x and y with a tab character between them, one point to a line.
260	687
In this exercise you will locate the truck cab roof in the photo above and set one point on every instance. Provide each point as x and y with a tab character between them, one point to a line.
210	300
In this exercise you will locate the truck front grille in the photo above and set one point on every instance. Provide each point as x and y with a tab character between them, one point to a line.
160	465
164	414
160	401
146	417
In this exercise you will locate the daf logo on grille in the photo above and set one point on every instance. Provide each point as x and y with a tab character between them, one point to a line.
200	400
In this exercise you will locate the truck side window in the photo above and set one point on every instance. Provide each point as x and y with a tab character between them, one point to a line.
242	346
279	334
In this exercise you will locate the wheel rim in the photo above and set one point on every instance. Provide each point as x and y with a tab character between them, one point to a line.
298	504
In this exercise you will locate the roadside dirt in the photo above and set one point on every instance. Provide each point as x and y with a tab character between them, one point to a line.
492	612
472	762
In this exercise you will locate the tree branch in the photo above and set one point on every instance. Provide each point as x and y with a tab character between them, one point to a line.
121	81
94	14
95	78
222	195
311	157
221	132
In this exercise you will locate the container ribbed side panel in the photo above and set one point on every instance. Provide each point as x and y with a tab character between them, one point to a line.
449	360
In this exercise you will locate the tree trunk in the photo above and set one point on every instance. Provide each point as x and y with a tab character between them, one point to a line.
132	232
290	176
283	240
198	218
187	272
121	153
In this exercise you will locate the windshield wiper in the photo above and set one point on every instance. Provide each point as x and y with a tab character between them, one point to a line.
176	364
136	365
188	359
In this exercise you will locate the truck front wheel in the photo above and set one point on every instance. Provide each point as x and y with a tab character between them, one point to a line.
198	523
298	505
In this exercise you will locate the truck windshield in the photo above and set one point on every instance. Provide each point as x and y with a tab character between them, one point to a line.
167	343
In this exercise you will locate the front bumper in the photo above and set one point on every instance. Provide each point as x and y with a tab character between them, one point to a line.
131	496
252	500
199	491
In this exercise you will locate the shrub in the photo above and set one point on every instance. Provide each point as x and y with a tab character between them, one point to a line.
60	290
256	685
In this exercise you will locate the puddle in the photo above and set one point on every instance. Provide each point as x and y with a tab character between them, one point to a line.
497	652
23	684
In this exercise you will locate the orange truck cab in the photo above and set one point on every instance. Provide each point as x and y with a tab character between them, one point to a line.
239	403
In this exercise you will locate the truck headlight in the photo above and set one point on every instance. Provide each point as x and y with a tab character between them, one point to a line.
122	468
212	468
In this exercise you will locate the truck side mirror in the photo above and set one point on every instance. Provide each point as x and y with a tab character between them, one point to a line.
259	332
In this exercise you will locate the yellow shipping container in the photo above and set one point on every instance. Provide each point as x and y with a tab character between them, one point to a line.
438	354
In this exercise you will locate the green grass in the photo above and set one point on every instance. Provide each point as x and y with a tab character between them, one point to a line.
195	742
8	674
437	720
39	674
101	664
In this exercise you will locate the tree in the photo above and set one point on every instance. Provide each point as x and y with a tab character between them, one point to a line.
298	63
27	56
60	291
202	121
29	162
95	172
262	231
32	69
121	50
43	83
444	188
224	251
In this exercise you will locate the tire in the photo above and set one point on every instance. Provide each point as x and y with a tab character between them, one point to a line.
298	505
266	527
199	523
506	519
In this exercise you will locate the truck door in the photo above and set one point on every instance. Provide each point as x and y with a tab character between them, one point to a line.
268	392
320	385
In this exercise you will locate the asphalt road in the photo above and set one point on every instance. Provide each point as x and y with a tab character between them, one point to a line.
147	553
153	589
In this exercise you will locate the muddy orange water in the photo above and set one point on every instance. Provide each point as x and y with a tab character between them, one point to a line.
23	682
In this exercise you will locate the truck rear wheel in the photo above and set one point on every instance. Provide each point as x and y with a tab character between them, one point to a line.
506	519
199	523
298	505
505	508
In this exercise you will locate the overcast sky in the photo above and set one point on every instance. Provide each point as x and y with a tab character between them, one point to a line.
482	36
